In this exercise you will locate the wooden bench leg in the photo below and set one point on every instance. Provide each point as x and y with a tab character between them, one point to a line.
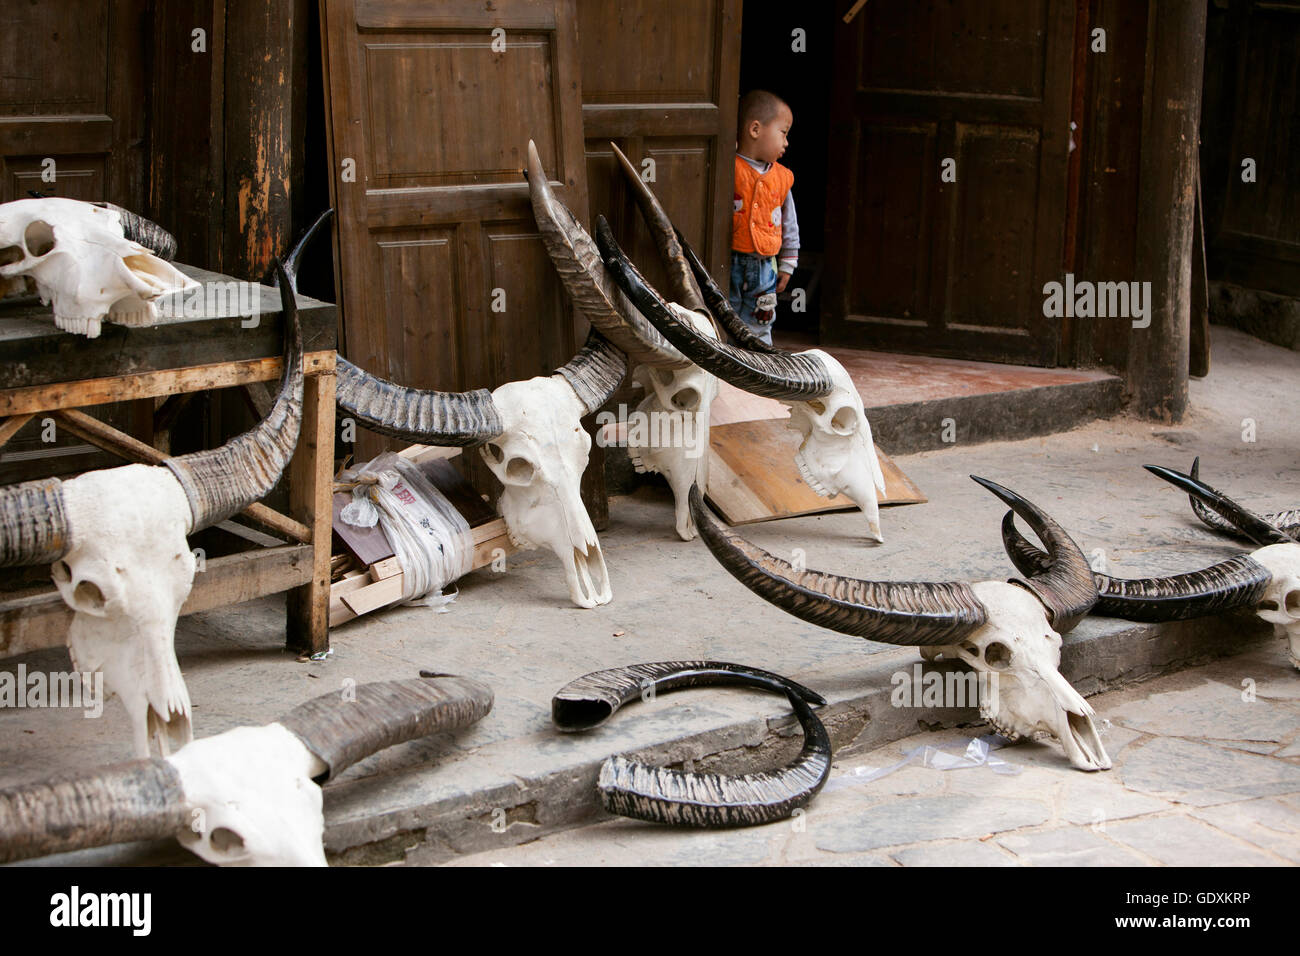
311	492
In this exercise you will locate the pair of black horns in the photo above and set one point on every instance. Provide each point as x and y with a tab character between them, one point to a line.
899	612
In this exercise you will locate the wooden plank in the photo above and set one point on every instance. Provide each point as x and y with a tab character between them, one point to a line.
35	621
101	391
110	439
311	485
753	477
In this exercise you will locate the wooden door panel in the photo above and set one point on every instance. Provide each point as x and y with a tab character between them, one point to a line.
79	177
444	282
918	263
894	196
72	91
642	52
993	230
942	47
660	80
56	58
1257	240
459	82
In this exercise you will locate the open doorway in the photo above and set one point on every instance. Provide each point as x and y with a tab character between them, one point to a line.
787	49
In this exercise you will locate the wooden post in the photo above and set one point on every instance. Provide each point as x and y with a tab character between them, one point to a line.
311	492
1158	354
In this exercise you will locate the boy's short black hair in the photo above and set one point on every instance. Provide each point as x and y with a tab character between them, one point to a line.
758	105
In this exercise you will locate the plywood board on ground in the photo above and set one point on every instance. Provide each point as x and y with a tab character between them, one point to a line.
753	477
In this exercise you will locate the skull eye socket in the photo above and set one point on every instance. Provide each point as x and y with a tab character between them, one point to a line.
519	470
39	238
493	453
88	595
664	375
997	656
845	421
11	254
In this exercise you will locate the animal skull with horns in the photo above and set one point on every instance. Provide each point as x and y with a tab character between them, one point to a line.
248	797
838	455
1008	631
91	261
679	394
116	541
1266	580
529	434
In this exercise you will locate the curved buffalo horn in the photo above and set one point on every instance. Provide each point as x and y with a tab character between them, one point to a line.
341	732
33	524
720	306
1065	586
893	612
139	800
1237	582
1226	516
294	259
147	233
595	372
590	700
417	415
681	281
578	264
221	482
788	376
659	795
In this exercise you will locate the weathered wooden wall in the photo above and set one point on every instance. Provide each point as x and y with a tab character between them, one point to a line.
228	122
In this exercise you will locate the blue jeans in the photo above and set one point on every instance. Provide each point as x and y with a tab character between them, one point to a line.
753	276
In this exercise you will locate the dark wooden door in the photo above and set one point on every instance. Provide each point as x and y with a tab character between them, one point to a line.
1251	126
660	80
72	101
917	264
442	278
72	124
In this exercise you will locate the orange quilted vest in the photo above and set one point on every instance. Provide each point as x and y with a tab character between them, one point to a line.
756	220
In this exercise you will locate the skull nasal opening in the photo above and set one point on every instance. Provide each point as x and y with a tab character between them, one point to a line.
686	400
39	238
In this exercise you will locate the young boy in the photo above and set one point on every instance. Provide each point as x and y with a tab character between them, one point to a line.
764	230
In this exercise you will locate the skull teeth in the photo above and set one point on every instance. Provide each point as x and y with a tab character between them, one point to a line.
521	543
808	477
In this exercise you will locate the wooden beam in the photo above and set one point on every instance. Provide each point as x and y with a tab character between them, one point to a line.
36	621
311	490
110	439
101	391
1158	354
11	426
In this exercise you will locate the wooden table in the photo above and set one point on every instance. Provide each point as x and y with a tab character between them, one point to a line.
218	345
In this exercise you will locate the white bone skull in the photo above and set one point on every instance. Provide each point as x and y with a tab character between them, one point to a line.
671	433
1281	603
838	455
252	798
539	458
1022	692
127	573
81	262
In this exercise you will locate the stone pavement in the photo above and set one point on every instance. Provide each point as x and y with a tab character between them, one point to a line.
1206	773
432	800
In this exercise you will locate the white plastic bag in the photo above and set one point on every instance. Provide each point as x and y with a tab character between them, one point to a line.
428	535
